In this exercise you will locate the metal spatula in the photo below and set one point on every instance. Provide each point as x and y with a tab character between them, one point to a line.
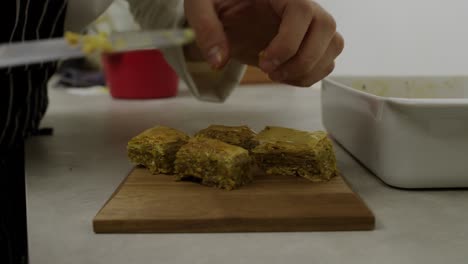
30	52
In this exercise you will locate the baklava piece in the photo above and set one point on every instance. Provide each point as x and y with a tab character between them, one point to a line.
241	136
292	152
156	149
214	163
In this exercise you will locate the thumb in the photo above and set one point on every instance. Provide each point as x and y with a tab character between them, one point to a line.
210	36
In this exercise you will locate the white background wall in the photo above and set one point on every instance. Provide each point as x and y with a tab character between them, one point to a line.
392	37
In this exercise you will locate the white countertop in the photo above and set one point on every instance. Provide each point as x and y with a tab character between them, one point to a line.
72	174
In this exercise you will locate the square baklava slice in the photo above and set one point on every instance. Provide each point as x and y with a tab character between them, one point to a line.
292	152
241	136
214	163
156	149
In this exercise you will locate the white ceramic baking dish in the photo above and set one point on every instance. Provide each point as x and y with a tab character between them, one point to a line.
412	132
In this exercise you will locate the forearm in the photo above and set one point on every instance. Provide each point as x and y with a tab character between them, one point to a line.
157	14
81	13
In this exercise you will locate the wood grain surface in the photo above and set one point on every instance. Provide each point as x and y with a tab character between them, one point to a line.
146	203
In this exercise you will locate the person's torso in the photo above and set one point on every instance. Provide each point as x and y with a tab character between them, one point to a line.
23	90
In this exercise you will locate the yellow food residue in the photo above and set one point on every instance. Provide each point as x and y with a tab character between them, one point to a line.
90	43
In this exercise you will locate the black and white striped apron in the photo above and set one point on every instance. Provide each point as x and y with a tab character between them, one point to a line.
23	102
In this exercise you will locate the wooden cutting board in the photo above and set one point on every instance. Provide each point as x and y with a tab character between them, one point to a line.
146	203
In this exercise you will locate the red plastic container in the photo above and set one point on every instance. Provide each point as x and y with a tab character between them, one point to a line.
141	74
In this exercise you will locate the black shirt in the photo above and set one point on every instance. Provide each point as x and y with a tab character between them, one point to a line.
23	90
23	102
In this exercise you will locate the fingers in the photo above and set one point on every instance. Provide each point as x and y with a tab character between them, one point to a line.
313	77
304	67
296	17
210	36
301	56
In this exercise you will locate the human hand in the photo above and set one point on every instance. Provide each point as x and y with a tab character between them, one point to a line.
293	41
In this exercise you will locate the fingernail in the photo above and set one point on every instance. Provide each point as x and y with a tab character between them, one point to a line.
215	57
269	65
